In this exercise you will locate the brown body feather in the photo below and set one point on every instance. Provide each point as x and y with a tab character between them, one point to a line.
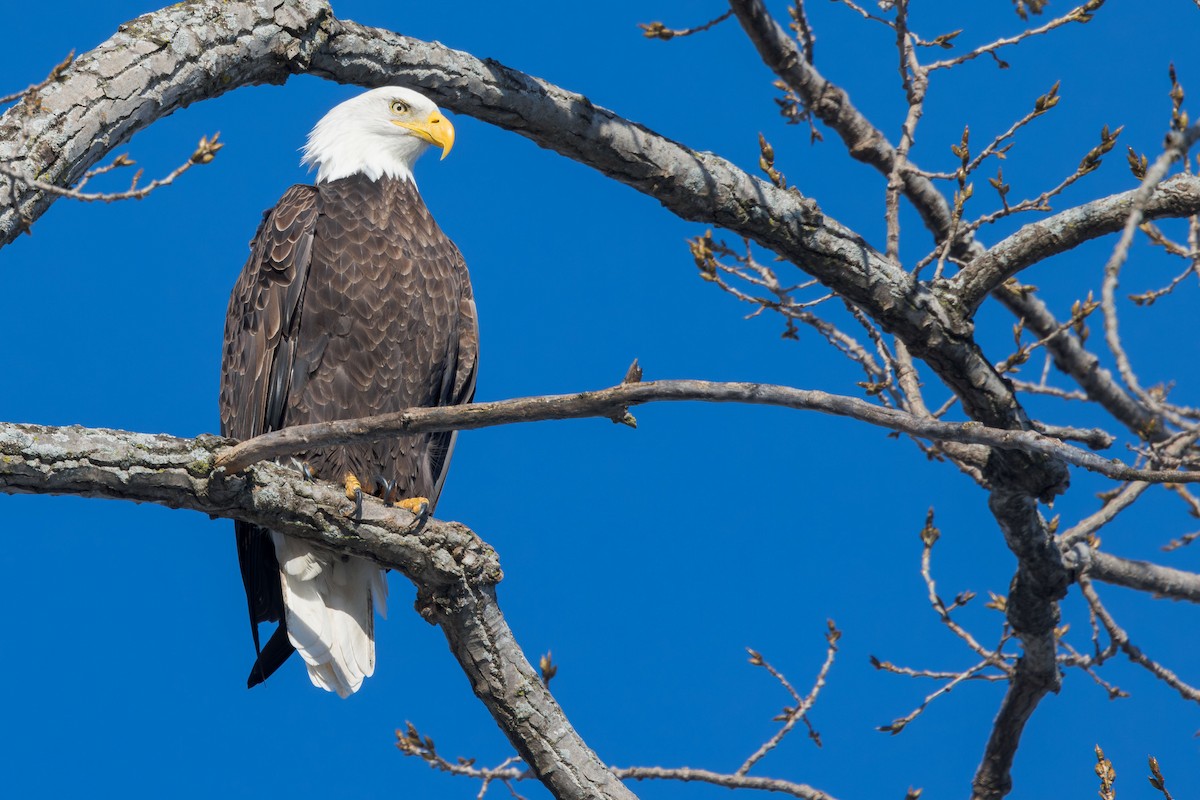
353	303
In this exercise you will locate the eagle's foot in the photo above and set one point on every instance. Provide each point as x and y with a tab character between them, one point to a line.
354	492
386	487
418	506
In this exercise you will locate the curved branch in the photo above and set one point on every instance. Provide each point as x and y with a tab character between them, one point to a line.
454	571
1066	230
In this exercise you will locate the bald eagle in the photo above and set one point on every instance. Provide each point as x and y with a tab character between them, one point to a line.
353	303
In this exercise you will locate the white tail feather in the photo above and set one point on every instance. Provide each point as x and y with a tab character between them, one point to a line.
330	602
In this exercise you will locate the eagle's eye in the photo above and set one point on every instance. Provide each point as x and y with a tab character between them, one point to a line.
399	107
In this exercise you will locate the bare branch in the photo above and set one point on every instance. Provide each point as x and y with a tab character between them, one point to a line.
657	30
1078	14
929	536
803	705
1066	230
613	403
205	151
33	89
453	570
1131	650
1144	576
1178	143
687	774
899	724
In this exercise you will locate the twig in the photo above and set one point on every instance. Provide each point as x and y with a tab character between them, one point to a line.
1134	653
204	154
1089	663
929	536
887	666
1050	391
897	725
34	88
1178	143
803	705
411	743
1077	14
656	30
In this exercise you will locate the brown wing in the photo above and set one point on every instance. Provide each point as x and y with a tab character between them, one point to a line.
260	331
461	386
388	324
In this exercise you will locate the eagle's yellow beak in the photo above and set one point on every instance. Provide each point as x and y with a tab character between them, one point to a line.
436	129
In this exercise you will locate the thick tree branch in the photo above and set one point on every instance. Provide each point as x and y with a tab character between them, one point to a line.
1174	584
1066	230
1040	582
454	571
151	67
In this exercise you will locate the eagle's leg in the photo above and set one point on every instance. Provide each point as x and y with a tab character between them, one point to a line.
354	492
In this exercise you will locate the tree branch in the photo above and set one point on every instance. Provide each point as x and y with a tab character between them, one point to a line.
1066	230
687	774
454	571
831	104
613	403
1173	584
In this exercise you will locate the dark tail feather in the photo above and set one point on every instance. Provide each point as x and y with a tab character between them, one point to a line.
277	650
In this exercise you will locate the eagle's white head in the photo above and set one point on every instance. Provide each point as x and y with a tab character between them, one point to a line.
381	132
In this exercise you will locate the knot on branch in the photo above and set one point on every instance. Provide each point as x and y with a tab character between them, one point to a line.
1031	474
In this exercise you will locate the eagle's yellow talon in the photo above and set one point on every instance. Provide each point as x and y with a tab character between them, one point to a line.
354	493
416	505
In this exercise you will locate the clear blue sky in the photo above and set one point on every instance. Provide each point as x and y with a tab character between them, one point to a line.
647	560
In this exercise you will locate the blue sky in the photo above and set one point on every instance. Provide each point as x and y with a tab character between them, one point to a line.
646	560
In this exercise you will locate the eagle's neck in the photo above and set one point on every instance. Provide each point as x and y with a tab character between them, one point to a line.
340	147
